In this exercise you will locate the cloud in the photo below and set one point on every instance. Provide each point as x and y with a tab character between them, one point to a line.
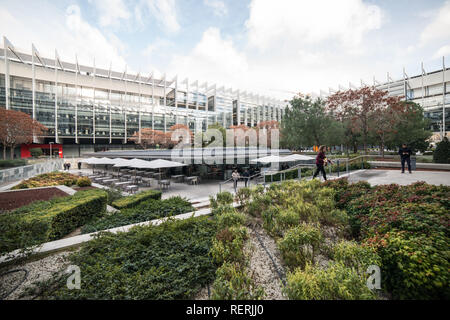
213	59
219	7
66	31
164	11
157	47
311	22
443	51
110	12
439	27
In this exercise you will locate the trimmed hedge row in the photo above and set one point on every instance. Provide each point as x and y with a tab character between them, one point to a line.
4	164
132	201
44	221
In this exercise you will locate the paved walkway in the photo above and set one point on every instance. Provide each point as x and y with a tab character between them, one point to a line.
376	177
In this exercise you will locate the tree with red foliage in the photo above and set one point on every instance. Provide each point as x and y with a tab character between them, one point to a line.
269	126
16	128
156	138
366	110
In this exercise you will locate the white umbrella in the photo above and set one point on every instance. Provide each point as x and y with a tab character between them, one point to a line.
122	163
105	160
161	163
297	157
90	160
270	159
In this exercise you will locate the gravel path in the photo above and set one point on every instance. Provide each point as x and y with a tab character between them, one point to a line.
261	264
38	270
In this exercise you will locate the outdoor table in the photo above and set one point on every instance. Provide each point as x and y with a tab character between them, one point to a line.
164	183
192	180
147	182
132	188
178	178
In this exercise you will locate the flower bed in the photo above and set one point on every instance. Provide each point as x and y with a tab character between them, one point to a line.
48	179
409	228
169	261
49	220
13	200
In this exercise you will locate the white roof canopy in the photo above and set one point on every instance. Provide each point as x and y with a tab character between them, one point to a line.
270	159
160	163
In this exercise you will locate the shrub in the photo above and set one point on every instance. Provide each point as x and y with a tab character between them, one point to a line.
84	182
300	244
134	200
337	282
222	198
169	261
416	266
234	283
442	152
49	220
230	218
228	246
36	152
243	196
145	211
5	164
113	195
47	180
355	255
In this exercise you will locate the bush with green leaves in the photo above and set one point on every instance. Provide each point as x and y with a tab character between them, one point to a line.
84	182
145	211
49	220
300	244
48	179
230	218
355	255
442	152
113	195
221	199
233	282
134	200
229	245
336	282
5	164
169	261
36	152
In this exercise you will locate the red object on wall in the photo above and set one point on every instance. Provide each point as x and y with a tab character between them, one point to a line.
25	149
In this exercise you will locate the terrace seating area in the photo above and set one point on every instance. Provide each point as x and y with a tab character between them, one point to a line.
131	175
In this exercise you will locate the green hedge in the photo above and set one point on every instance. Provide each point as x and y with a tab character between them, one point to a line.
4	164
44	221
169	261
132	201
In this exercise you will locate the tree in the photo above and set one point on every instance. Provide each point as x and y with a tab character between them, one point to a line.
411	128
442	152
16	128
269	126
149	138
156	138
307	123
360	107
36	152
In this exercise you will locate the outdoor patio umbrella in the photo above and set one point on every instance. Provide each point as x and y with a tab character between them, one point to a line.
270	159
162	164
92	161
297	157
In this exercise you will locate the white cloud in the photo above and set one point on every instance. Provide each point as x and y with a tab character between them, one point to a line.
66	31
443	51
157	46
311	22
213	59
164	11
439	28
219	7
110	12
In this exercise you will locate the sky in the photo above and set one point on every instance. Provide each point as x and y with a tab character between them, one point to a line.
274	48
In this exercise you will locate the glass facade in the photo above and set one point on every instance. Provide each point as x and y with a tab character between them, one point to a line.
77	106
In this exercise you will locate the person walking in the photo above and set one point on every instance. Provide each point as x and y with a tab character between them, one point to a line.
235	176
79	165
246	177
405	156
68	166
321	161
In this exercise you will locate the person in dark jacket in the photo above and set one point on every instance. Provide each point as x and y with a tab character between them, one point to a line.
405	156
321	159
246	177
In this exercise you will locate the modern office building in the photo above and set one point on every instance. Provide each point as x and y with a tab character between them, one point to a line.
87	108
429	89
